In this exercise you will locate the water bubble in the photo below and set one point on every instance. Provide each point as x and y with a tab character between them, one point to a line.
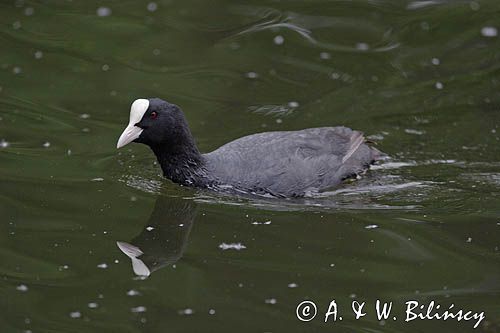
105	67
29	11
362	46
46	144
16	25
102	266
103	11
474	5
152	6
435	61
75	314
414	131
232	246
489	31
279	40
4	144
271	301
93	305
133	292
186	312
38	54
252	75
22	287
335	76
292	285
17	70
279	121
324	55
156	52
211	312
138	309
439	85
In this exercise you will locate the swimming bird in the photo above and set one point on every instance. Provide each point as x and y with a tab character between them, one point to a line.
281	163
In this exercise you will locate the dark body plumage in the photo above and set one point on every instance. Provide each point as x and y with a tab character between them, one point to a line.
285	164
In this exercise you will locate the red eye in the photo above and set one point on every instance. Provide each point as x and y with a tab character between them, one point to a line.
154	115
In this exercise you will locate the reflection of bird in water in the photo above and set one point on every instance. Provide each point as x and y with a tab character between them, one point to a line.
163	240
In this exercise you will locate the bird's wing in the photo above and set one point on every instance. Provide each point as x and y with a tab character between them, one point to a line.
289	161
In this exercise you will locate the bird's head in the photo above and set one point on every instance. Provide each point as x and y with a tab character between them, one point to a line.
154	122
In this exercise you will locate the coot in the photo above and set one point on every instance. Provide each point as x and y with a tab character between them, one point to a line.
283	164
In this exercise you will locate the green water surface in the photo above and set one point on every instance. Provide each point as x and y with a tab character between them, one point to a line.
421	78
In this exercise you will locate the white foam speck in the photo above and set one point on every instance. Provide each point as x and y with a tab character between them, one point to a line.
38	54
279	40
75	314
46	144
439	85
93	305
264	223
489	31
17	70
435	61
293	104
4	144
211	312
186	312
324	55
28	11
102	266
252	75
292	285
371	226
152	6
138	309
133	292
414	131
271	301
232	246
22	287
474	5
16	25
362	46
103	11
149	228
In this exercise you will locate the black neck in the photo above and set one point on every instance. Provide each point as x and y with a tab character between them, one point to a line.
181	161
